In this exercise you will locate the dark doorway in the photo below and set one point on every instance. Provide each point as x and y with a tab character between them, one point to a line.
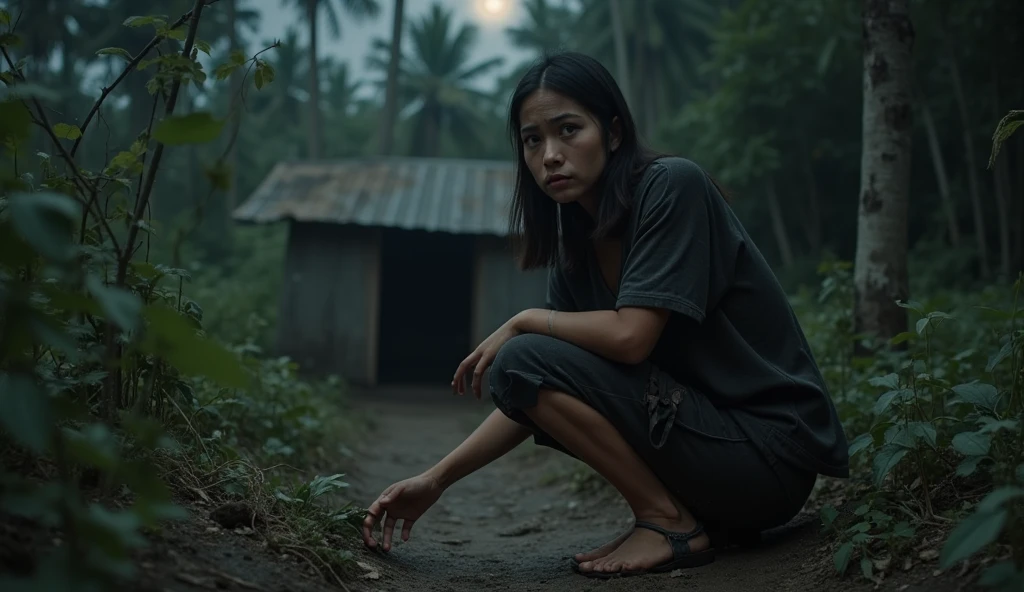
426	288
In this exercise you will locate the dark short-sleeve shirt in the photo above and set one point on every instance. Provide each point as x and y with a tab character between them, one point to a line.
731	333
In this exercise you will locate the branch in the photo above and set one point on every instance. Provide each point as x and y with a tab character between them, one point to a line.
84	185
131	66
147	189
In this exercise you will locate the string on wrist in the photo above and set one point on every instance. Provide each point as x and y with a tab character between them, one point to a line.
551	317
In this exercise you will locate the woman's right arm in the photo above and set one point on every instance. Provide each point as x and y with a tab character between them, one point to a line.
492	439
407	500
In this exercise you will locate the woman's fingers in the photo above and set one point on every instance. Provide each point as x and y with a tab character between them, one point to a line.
478	372
460	372
373	515
407	529
389	529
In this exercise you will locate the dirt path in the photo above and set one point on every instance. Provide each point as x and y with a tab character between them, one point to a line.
503	528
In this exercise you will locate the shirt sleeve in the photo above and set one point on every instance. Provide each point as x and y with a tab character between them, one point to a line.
558	295
672	257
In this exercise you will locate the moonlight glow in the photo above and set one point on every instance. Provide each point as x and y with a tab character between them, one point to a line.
493	10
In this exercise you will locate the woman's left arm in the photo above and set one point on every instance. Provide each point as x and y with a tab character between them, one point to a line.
626	335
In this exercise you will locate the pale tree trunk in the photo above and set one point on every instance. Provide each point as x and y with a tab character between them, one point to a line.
941	178
387	129
232	195
972	168
779	226
880	265
621	60
314	82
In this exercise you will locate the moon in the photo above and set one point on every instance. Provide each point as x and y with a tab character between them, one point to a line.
493	10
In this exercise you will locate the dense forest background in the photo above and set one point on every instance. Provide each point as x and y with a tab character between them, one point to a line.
767	96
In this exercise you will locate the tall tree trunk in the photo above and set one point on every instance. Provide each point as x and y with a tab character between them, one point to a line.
314	82
779	226
941	178
1001	181
231	199
621	59
387	129
880	272
972	167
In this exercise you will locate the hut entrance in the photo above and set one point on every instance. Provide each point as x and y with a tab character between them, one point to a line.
426	287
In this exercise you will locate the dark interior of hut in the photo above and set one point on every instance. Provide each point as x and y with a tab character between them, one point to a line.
426	289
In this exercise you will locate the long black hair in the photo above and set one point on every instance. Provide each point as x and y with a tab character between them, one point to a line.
534	217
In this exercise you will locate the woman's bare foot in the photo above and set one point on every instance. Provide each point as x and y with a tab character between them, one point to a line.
604	549
643	549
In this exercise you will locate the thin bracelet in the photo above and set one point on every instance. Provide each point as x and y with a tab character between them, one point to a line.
551	316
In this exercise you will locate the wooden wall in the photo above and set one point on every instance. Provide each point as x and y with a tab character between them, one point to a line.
329	305
500	289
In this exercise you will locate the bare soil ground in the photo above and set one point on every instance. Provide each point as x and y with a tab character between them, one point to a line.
511	526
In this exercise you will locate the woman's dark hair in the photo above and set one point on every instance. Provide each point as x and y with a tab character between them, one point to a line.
534	217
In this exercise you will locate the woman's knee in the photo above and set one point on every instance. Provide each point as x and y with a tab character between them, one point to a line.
521	359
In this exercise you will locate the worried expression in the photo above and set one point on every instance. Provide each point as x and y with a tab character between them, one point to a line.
563	147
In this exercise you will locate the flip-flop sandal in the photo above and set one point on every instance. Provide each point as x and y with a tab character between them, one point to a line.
682	556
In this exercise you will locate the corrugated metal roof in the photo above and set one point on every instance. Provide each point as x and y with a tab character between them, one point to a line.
439	194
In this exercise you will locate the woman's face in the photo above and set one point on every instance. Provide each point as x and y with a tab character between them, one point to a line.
563	147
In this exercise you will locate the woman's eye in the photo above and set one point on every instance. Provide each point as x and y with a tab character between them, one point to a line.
530	140
568	128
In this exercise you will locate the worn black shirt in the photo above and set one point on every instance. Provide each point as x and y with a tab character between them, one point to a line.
732	333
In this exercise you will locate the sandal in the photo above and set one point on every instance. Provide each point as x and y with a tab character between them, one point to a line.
682	556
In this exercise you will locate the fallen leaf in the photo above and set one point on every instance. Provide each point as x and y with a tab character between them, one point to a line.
907	564
202	494
882	564
676	573
371	572
928	555
454	542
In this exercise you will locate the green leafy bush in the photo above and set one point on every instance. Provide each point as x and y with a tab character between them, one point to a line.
116	405
935	425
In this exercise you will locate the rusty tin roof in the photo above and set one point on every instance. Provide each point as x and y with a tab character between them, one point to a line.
461	196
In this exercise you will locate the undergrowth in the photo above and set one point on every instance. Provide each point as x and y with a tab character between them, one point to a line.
935	432
119	408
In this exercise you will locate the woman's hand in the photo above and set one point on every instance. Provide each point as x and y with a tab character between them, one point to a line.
482	357
406	501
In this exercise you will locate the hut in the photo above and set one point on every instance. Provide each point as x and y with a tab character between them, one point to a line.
396	267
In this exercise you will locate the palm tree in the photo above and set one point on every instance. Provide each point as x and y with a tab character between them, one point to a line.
435	79
359	9
666	40
544	28
390	115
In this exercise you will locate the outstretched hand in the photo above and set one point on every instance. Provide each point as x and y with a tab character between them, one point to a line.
406	501
481	358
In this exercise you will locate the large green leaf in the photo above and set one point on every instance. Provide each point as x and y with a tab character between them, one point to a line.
15	121
972	443
120	306
173	337
195	128
978	394
25	411
842	557
973	533
46	222
887	458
